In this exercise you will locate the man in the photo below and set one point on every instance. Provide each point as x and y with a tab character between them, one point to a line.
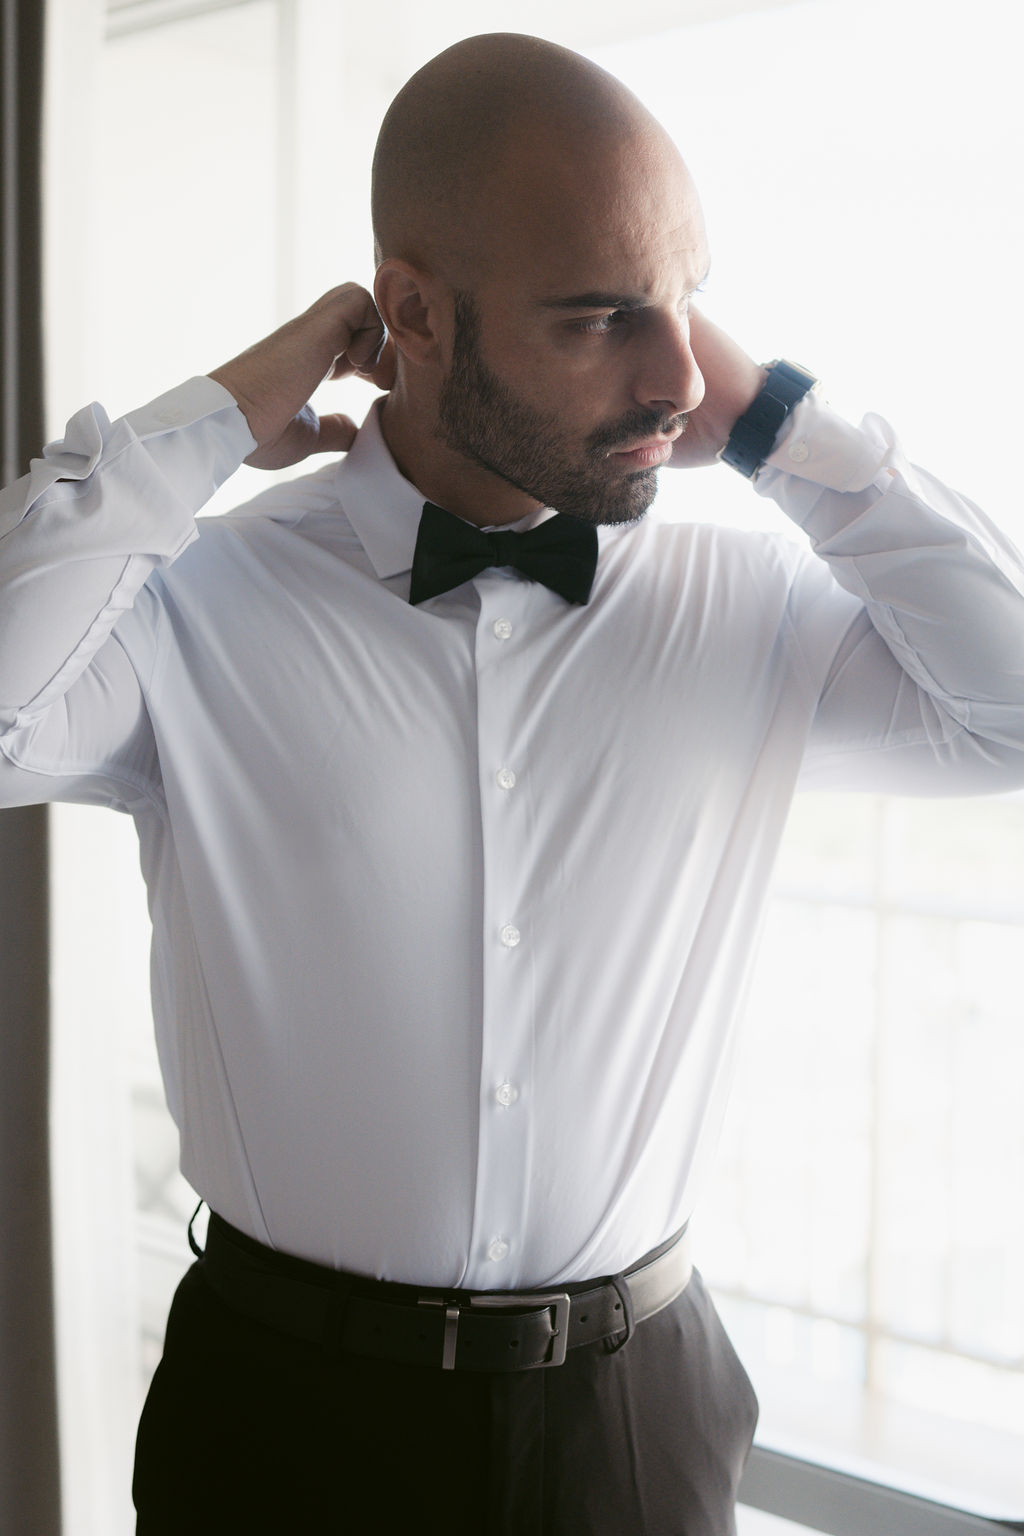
453	896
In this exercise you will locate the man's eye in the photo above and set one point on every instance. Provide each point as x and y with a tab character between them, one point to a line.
597	325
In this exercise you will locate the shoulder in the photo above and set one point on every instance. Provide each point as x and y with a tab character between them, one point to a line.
285	537
287	500
677	553
304	512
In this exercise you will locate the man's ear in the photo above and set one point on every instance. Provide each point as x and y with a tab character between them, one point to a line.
411	305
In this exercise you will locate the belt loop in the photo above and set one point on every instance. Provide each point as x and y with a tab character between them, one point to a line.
621	1285
199	1252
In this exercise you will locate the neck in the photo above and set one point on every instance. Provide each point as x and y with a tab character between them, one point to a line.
445	477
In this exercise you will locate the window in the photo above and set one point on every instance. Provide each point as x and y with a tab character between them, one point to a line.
208	175
866	1233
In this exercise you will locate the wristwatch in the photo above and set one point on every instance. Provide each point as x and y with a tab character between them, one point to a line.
753	437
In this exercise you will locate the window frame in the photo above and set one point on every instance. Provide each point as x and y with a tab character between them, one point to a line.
837	1503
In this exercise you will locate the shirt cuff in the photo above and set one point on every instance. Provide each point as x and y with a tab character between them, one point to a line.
819	445
188	403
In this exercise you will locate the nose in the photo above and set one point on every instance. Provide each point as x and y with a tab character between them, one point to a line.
668	379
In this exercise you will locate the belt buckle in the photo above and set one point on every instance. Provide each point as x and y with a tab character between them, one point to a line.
451	1328
558	1301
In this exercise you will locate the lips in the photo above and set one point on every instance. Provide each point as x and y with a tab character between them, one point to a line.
648	453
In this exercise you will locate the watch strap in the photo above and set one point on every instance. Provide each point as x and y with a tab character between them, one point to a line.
753	436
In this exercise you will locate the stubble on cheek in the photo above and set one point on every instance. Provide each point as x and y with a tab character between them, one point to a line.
482	418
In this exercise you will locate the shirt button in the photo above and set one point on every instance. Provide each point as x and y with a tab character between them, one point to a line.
510	936
497	1249
798	452
506	1093
506	778
502	629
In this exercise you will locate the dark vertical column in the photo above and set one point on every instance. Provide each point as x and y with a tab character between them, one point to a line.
29	1466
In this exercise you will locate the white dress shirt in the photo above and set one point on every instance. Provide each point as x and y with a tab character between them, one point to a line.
453	905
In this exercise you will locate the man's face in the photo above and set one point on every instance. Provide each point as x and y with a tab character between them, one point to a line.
570	371
482	416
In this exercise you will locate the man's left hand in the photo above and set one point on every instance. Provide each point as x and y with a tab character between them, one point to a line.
732	381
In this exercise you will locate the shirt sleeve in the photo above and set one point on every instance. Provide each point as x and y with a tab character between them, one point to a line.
80	535
924	688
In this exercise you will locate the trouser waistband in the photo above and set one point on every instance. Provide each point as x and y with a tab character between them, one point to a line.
446	1329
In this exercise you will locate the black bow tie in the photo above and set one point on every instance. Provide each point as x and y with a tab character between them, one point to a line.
561	553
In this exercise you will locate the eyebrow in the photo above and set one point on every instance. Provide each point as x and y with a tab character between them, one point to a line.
595	299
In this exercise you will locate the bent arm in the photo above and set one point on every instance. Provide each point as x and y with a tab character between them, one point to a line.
943	590
81	533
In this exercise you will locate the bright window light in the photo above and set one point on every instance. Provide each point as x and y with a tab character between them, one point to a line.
859	163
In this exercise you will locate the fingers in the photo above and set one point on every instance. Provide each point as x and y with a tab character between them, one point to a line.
381	372
274	380
371	355
366	343
350	318
304	434
337	434
732	380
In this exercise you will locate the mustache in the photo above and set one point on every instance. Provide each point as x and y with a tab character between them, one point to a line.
637	424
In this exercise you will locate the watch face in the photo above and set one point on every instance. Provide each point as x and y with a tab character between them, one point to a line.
796	372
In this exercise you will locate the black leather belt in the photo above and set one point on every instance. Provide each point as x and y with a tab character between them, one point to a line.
453	1330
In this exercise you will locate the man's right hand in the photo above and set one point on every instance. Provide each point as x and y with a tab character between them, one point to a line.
272	381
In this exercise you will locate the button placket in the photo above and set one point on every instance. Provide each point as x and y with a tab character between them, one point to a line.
503	1157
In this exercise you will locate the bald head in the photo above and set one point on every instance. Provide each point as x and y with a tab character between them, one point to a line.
539	240
497	118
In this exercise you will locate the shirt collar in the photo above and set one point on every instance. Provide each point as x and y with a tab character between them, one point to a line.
384	507
380	503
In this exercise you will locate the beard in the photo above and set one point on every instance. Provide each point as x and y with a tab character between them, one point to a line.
482	418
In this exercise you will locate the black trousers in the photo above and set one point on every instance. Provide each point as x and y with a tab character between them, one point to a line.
249	1431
